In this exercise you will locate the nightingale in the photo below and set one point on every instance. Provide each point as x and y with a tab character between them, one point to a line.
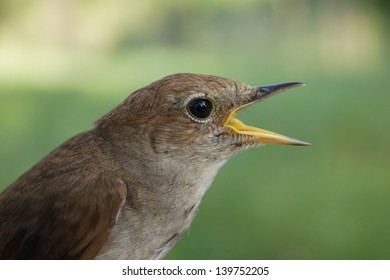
129	187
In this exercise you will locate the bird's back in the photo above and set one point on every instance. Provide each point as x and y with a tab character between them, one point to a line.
43	214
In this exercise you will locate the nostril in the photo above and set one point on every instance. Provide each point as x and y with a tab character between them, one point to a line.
259	93
262	91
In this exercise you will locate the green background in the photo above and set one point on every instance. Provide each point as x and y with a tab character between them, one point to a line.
63	64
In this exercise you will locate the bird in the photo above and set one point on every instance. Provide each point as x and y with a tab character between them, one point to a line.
129	187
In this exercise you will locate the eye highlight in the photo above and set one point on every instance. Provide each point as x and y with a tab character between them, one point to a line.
200	108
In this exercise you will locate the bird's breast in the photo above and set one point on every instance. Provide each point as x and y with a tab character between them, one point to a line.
152	230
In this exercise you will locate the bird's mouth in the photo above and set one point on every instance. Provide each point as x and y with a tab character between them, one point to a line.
258	135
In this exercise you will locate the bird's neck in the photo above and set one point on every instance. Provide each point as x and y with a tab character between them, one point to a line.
164	193
162	173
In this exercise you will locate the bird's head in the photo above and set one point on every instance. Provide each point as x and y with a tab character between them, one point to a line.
193	115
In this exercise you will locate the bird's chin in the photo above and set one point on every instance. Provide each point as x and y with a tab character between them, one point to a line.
244	142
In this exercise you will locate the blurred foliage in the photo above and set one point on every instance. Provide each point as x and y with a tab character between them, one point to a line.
63	64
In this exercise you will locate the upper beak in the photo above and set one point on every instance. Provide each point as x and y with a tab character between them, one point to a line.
261	135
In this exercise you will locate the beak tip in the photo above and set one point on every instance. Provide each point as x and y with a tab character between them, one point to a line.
304	144
295	84
296	142
274	89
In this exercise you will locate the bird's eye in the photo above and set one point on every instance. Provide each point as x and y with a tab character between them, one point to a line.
200	108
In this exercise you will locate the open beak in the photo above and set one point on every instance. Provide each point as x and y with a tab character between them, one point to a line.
261	135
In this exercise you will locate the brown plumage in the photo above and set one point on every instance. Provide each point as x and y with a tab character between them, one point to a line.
128	188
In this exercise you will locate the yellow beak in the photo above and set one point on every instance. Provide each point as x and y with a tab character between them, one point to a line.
261	135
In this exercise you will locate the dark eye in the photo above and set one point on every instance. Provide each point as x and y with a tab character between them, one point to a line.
200	108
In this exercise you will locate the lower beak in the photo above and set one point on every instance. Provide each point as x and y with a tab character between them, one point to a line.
260	135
